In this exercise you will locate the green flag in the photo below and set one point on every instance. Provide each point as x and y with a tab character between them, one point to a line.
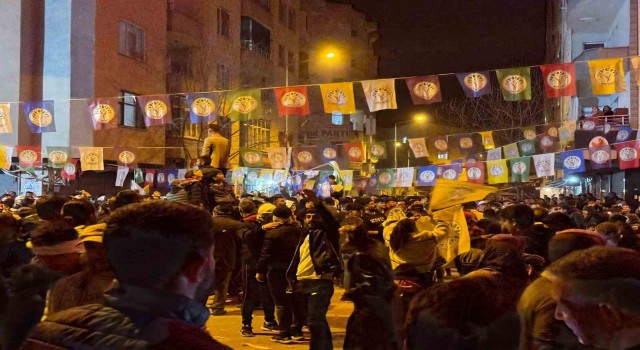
57	157
520	168
527	147
252	176
251	158
386	178
137	175
244	105
378	150
515	83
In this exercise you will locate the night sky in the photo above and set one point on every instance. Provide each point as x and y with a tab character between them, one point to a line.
419	37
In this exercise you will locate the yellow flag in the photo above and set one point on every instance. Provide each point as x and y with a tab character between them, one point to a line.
635	64
487	140
448	193
338	97
380	94
607	76
497	171
5	156
5	119
457	240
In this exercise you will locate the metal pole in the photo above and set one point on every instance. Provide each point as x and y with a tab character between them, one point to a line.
395	145
286	116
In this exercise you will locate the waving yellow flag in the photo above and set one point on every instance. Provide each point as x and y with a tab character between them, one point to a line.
448	193
607	76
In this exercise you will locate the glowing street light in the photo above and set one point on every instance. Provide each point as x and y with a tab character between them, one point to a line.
330	55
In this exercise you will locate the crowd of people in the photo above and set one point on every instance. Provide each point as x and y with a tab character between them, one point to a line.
135	271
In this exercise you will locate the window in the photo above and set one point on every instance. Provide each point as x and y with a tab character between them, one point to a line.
222	76
181	125
291	62
265	4
255	37
130	111
292	19
281	61
589	46
282	12
223	22
131	40
255	134
303	65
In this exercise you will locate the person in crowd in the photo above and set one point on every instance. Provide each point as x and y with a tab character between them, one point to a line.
207	174
195	188
556	222
569	205
226	235
277	251
222	191
177	193
125	197
159	305
217	148
539	328
373	219
278	200
606	110
369	284
518	220
252	241
592	290
314	264
79	212
13	251
49	208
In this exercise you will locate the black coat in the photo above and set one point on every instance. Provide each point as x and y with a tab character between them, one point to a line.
279	248
226	237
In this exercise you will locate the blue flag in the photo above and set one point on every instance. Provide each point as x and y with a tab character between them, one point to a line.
572	161
624	133
475	84
203	107
427	175
39	116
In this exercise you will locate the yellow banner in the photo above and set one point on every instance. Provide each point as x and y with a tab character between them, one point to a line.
447	193
338	97
487	140
607	76
5	156
457	240
497	171
5	119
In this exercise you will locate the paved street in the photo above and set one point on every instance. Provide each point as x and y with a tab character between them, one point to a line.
226	328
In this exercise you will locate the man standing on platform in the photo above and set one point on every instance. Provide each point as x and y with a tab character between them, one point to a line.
217	147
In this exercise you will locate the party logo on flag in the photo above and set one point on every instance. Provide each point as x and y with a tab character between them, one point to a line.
424	90
511	151
475	84
277	157
329	153
354	151
530	134
515	83
5	118
386	178
520	169
244	104
155	109
547	142
466	142
475	172
427	175
103	114
624	133
572	161
57	157
29	156
126	158
607	76
559	79
404	177
292	100
627	154
552	131
338	97
600	155
305	158
451	172
544	164
91	158
378	150
496	170
251	158
419	147
69	170
201	105
39	115
441	145
380	94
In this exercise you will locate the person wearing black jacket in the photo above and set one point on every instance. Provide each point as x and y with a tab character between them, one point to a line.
277	251
314	263
226	253
209	174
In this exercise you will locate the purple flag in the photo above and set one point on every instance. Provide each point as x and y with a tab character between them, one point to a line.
104	112
424	90
39	115
156	109
203	107
600	157
475	84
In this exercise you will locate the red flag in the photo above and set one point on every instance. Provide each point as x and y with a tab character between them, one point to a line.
292	100
149	176
354	151
475	172
547	142
627	154
69	170
559	79
29	156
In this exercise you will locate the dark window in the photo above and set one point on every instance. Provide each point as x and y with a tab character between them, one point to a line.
281	61
131	40
255	37
282	12
222	76
130	111
265	4
255	134
303	65
292	19
223	22
589	46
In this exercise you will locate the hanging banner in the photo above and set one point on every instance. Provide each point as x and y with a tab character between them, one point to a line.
251	158
161	178
347	179
600	157
91	158
244	105
266	174
329	152
494	154
511	151
551	130
607	76
427	175
57	157
172	174
520	169
138	177
529	133
419	147
635	65
126	157
104	112
39	116
451	172
279	177
378	150
253	174
121	175
278	157
497	171
150	176
466	143
404	177
424	90
559	79
372	185
627	154
305	157
354	151
565	134
156	109
572	161
292	100
449	193
338	97
69	170
475	84
547	143
6	152
202	107
386	178
527	147
380	94
5	119
475	172
544	164
29	156
487	140
515	83
624	133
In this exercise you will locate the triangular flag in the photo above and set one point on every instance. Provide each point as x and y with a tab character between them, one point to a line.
338	97
515	83
380	94
424	90
607	76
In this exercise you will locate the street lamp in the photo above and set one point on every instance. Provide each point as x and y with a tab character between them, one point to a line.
417	118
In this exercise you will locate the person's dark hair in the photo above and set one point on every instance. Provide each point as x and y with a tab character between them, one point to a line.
332	177
558	222
490	214
11	228
49	233
490	227
357	234
247	207
125	197
520	213
205	160
189	174
596	218
353	206
149	243
597	263
402	233
50	207
567	242
618	218
273	199
539	213
214	126
79	212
